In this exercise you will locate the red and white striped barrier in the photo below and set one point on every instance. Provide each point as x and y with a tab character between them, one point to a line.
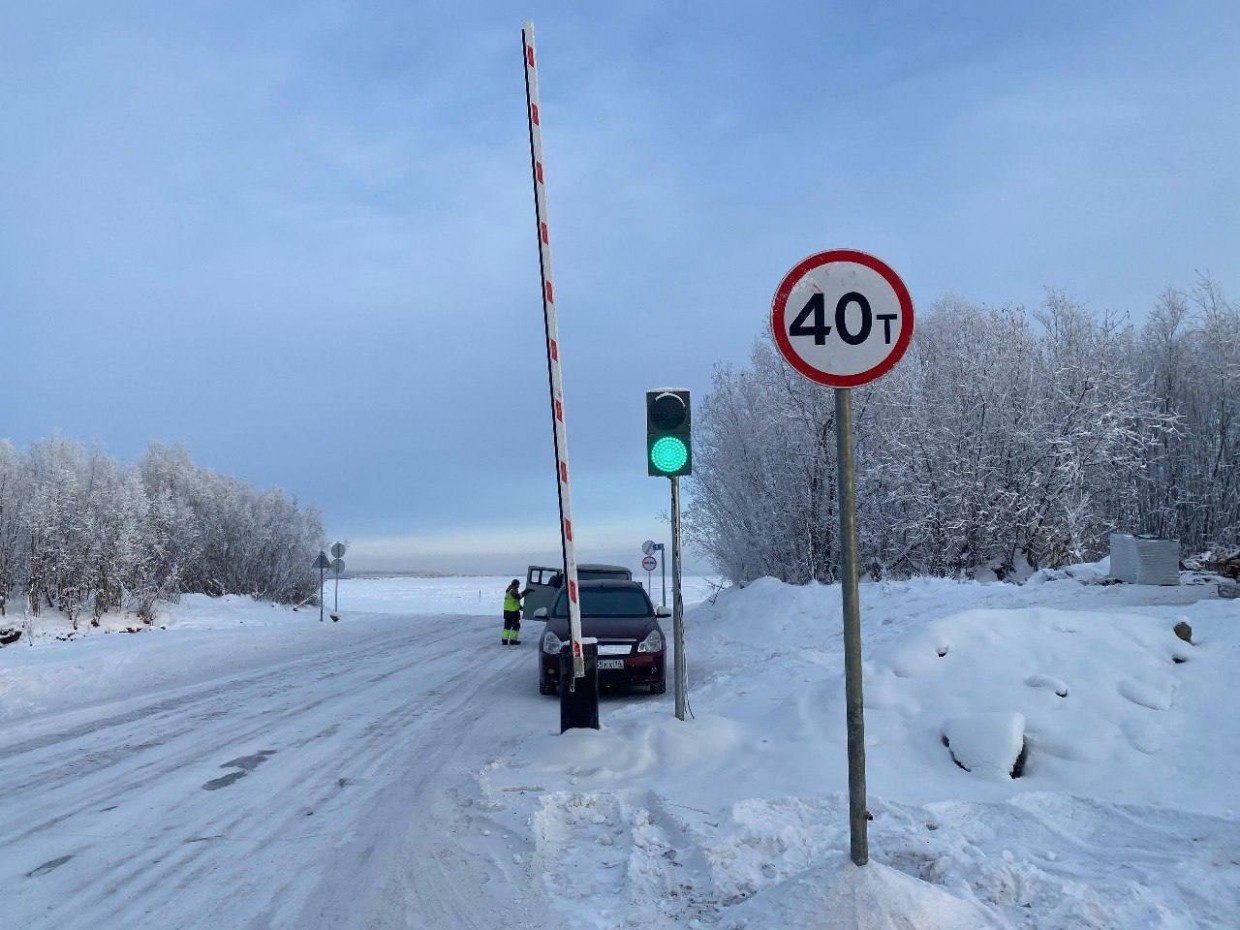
553	348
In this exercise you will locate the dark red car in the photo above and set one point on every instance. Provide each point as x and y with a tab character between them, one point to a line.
631	644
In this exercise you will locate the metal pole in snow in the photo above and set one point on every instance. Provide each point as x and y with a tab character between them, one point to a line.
320	594
664	570
859	845
678	604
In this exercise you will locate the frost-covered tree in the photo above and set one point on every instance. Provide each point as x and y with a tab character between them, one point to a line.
764	460
1003	439
82	533
1190	350
55	523
12	498
116	505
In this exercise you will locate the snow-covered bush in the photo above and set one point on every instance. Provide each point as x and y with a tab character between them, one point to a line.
83	533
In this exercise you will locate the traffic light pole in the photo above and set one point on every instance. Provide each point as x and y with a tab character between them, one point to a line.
678	604
669	454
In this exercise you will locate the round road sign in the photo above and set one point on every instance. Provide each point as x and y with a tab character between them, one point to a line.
650	563
648	546
842	318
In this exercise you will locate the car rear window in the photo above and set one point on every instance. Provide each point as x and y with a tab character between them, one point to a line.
608	602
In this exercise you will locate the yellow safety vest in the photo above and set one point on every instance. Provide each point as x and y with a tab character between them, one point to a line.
511	602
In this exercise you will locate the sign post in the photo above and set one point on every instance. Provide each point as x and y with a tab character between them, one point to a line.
650	547
322	564
649	563
338	551
843	318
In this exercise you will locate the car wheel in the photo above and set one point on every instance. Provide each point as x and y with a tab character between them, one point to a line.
546	687
659	687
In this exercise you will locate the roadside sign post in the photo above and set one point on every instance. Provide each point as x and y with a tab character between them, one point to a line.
843	318
649	563
650	547
338	551
322	564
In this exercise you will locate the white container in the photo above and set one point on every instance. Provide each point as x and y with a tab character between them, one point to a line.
1145	559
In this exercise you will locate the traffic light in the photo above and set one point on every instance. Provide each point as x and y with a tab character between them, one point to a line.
669	444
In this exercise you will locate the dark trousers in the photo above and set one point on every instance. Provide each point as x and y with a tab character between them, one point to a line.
512	620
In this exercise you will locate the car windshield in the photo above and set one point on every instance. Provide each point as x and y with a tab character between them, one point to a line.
608	602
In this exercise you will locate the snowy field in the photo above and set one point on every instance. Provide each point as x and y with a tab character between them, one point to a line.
247	766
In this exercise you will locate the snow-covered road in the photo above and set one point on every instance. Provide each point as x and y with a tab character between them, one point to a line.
251	767
323	790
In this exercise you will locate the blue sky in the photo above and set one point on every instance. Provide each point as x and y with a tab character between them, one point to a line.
299	238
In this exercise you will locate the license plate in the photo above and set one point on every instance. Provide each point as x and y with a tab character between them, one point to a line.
610	663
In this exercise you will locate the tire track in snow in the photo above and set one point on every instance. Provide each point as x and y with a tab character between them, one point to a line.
342	726
166	875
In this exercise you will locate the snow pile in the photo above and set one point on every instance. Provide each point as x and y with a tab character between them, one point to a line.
875	897
1111	717
193	640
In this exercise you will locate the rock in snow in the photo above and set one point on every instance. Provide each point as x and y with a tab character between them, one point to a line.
990	745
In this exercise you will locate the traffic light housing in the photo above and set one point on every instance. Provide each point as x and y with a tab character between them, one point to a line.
669	441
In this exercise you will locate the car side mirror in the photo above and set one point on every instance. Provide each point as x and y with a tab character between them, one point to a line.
540	613
662	611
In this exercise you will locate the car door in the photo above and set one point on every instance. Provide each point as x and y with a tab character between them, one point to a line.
543	583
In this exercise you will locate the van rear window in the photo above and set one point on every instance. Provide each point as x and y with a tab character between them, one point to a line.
587	574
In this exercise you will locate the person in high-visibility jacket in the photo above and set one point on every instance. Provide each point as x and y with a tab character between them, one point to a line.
512	613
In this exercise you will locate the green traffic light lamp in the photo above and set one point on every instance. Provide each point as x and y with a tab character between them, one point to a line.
669	446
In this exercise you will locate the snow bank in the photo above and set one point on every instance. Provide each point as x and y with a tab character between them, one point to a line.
749	798
874	897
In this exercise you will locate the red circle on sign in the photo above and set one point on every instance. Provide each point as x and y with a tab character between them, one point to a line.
780	305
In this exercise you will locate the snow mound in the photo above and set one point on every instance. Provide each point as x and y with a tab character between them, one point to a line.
622	754
1097	696
1085	573
1058	685
870	897
990	745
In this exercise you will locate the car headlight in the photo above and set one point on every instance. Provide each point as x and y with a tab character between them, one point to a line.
551	644
652	643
